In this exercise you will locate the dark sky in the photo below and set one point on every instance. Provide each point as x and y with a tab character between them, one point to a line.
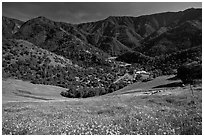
88	11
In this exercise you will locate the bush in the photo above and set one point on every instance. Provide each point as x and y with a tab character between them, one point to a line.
69	93
83	92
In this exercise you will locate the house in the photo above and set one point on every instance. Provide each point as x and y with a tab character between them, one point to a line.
125	65
144	74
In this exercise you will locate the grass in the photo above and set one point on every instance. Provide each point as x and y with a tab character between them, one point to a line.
30	96
159	82
174	114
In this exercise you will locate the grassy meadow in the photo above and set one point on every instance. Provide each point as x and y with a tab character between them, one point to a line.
172	111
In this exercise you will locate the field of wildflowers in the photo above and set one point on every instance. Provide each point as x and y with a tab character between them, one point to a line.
161	114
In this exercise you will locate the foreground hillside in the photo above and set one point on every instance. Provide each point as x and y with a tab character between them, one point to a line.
171	111
17	90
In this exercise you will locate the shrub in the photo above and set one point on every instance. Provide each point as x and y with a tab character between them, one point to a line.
69	93
84	92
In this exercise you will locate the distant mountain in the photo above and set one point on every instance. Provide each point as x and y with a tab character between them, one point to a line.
169	40
152	35
134	31
107	44
10	26
114	27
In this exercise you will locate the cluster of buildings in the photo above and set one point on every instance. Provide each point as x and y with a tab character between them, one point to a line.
137	75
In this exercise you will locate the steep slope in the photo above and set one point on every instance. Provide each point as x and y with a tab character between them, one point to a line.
131	30
169	40
110	27
50	35
10	26
72	29
107	44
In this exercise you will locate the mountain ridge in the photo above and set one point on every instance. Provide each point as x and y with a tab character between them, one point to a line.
124	28
142	26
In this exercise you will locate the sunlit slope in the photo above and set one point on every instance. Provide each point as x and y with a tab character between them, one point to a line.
18	90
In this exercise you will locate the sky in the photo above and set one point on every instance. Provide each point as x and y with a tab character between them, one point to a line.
79	12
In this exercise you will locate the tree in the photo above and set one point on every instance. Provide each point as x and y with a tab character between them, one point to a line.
188	73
